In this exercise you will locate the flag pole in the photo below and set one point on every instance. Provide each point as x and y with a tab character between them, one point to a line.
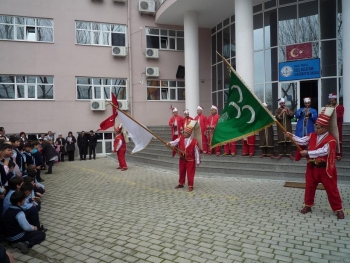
155	135
276	121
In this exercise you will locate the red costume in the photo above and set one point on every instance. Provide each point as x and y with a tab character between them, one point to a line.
230	148
186	121
211	124
119	146
249	146
176	124
340	115
202	120
187	162
322	170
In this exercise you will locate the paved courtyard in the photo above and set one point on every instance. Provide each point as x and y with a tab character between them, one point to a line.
96	213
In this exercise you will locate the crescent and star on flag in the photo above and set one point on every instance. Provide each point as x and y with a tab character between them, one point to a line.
297	54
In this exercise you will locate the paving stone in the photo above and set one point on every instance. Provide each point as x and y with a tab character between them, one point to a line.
137	216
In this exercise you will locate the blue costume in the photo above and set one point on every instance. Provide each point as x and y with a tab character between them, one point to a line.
305	126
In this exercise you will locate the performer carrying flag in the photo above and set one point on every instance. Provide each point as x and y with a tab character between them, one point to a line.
321	155
190	159
243	115
120	147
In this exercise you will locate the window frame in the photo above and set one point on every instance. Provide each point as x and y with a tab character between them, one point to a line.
165	87
178	34
102	88
101	30
26	27
27	84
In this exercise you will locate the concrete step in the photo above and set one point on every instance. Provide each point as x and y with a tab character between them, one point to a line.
158	145
206	170
157	154
165	135
244	163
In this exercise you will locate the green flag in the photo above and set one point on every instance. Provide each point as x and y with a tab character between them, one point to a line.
243	115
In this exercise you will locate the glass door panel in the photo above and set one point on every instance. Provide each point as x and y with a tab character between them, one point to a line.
290	92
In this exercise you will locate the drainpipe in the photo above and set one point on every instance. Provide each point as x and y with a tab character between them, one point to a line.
130	84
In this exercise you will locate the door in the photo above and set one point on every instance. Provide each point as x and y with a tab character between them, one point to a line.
309	88
290	92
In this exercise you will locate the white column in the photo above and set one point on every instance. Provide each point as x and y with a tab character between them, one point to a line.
346	59
191	61
244	40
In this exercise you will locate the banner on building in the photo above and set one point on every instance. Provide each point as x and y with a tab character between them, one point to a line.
301	69
299	51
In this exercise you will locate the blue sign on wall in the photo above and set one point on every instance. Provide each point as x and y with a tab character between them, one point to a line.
301	69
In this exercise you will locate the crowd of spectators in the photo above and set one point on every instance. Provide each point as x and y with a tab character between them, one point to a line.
21	190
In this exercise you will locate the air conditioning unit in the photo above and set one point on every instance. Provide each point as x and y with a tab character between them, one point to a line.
152	53
119	51
123	105
152	72
119	1
98	105
147	6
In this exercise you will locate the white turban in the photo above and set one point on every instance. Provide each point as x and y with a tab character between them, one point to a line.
213	107
199	108
186	111
174	110
307	99
281	100
332	96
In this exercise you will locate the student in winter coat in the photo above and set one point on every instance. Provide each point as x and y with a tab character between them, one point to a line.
18	230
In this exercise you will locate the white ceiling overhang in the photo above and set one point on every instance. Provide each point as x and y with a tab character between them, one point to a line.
210	12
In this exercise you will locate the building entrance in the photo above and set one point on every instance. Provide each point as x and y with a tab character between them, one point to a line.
309	88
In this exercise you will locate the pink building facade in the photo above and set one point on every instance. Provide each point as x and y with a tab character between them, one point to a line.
56	58
68	63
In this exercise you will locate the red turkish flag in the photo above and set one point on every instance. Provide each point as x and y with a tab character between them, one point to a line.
299	51
110	121
115	102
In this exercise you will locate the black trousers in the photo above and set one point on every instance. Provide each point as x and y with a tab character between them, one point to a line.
92	151
71	156
61	156
44	162
285	148
38	175
267	150
33	237
50	164
32	216
82	152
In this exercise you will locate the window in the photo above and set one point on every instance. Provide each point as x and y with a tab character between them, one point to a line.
165	90
26	87
26	29
165	39
100	34
100	88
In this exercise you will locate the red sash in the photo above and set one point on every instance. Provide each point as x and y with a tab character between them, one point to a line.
330	158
